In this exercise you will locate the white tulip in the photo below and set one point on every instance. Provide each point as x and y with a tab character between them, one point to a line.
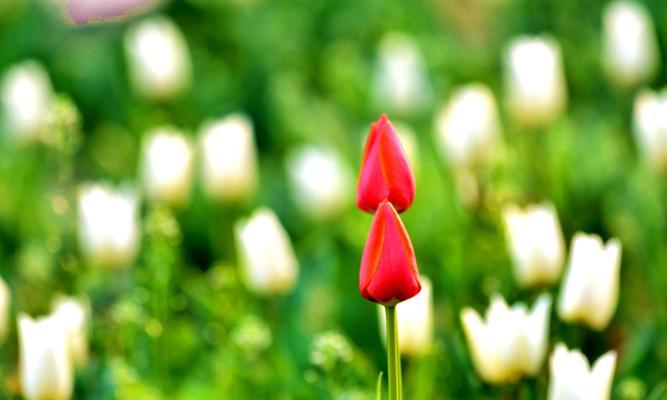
511	342
158	58
321	181
414	318
27	98
535	242
650	127
45	366
74	314
573	379
266	256
590	289
630	46
5	301
467	127
167	166
400	83
535	81
229	158
108	225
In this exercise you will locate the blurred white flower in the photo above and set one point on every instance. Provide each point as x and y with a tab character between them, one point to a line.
27	98
158	58
167	166
5	301
630	46
589	293
321	181
74	314
414	320
572	378
650	127
229	158
266	256
534	80
108	225
85	11
535	242
45	364
467	127
511	342
400	83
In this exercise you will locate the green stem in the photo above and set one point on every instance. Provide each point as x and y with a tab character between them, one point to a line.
393	355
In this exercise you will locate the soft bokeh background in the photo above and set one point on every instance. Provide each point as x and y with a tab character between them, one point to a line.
180	324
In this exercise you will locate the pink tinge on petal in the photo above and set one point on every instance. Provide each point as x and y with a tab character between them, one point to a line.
84	11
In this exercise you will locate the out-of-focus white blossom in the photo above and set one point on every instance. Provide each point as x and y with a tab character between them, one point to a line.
467	128
5	301
321	181
650	127
590	289
535	242
414	318
108	225
630	47
74	314
86	11
573	378
45	365
229	158
535	85
158	58
266	255
167	166
27	98
400	83
512	342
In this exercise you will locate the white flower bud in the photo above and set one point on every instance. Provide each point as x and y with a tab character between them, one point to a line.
74	314
229	158
45	364
321	181
535	82
158	58
266	256
27	99
5	301
630	46
572	378
108	225
511	342
467	128
167	166
535	242
589	293
650	127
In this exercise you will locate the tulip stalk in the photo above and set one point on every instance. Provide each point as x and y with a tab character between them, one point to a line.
393	355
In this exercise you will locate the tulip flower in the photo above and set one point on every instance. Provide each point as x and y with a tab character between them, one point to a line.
108	226
401	83
590	289
167	166
74	314
415	322
630	46
229	159
320	180
408	139
467	128
5	301
84	11
267	258
27	98
385	171
512	342
388	273
572	378
650	127
535	81
45	364
158	58
535	243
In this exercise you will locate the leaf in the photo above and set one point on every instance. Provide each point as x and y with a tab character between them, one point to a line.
378	389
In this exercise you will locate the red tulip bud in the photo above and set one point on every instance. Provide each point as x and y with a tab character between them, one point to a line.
388	273
385	171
